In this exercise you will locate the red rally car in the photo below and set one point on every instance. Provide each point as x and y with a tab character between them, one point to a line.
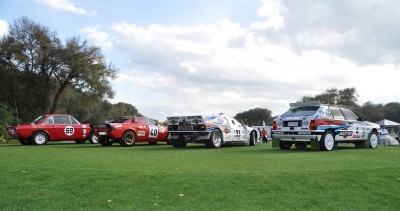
51	127
128	130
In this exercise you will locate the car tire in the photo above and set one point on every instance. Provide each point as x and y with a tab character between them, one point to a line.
93	139
253	138
152	142
25	142
373	140
327	142
285	144
168	141
215	140
178	143
106	141
127	139
80	141
40	138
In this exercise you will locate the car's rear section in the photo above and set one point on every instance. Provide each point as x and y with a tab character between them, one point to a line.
189	129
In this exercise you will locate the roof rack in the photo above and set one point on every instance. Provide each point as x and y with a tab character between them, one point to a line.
302	104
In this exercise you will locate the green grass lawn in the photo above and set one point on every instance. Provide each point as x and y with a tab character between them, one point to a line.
67	176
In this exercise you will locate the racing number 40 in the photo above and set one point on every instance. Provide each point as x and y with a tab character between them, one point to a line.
153	132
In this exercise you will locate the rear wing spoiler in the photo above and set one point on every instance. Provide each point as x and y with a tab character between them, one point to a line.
176	120
100	126
302	104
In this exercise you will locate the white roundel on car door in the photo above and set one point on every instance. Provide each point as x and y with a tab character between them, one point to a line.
69	131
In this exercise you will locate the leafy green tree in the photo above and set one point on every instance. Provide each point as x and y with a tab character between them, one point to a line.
255	116
392	111
373	112
346	97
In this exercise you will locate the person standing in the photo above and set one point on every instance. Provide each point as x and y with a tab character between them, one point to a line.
383	136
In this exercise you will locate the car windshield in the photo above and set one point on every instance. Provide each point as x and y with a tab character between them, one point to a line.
301	111
38	120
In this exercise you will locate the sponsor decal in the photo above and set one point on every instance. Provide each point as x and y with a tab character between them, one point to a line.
69	131
141	133
304	133
356	136
226	130
345	133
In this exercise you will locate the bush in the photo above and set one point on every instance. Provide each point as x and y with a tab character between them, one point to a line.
6	118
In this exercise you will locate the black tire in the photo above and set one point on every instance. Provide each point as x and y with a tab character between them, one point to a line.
25	142
327	142
80	141
301	145
285	144
215	140
105	141
127	139
40	138
93	139
178	143
152	143
253	138
373	140
168	141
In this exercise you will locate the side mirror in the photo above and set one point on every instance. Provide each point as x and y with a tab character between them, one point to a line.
134	119
362	119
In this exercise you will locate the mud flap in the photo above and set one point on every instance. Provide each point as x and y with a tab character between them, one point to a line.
314	144
366	143
275	143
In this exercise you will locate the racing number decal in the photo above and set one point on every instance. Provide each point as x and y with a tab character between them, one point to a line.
153	132
69	131
237	134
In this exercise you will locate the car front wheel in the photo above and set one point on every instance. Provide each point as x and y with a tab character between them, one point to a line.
327	142
253	138
373	140
40	138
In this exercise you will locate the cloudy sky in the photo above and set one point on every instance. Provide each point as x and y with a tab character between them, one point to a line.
179	57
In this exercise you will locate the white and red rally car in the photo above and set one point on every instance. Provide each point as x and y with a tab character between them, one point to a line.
322	126
214	131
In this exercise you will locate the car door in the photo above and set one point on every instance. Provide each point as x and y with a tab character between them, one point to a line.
67	128
356	126
237	131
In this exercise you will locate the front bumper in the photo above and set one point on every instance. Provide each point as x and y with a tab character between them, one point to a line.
301	136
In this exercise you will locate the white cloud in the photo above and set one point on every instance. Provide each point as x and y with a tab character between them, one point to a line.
4	27
228	68
66	5
98	37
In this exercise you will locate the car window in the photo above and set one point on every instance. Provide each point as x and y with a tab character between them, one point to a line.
49	120
337	113
301	111
73	120
38	120
349	114
146	121
62	120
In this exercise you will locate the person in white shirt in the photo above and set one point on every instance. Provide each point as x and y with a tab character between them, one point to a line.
382	138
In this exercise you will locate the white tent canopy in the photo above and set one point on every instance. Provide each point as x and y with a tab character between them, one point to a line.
387	123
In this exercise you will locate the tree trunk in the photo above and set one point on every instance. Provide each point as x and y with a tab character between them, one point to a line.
57	97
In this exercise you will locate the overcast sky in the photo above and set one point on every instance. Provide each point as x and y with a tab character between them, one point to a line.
180	57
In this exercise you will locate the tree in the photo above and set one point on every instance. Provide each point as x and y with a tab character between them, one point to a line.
84	68
255	116
36	68
6	118
346	97
373	112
